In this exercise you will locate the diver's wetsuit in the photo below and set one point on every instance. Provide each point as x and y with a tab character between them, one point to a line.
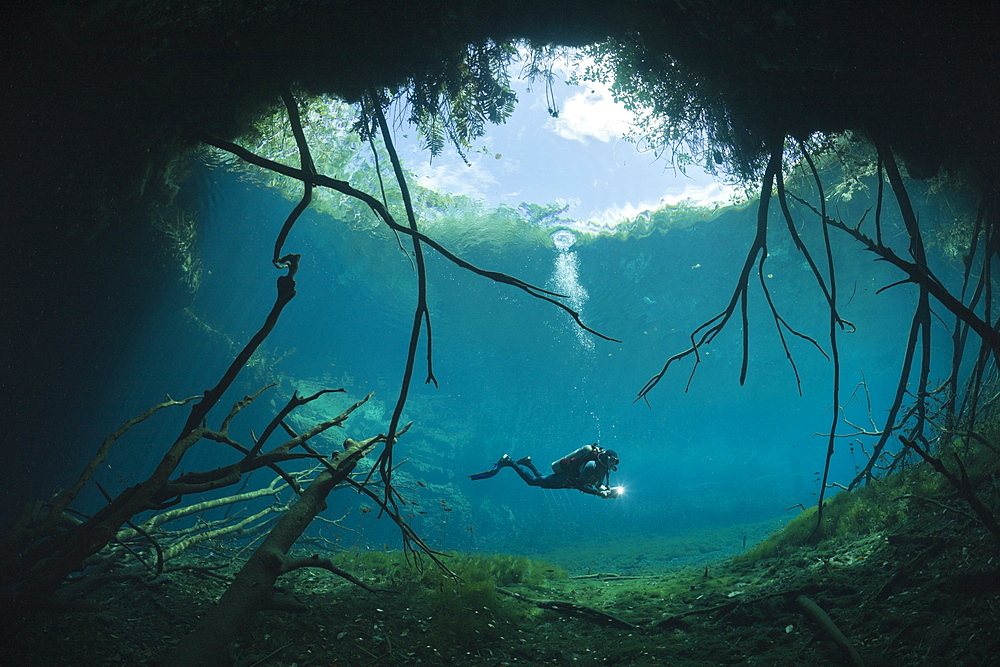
588	476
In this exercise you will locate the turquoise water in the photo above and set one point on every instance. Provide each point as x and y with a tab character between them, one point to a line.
517	376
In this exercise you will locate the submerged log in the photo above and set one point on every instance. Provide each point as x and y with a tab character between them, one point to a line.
253	589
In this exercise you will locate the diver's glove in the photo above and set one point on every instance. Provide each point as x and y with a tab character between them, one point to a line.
614	492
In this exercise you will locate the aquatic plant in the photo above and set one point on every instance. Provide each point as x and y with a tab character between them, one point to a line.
459	606
181	232
463	609
408	574
880	507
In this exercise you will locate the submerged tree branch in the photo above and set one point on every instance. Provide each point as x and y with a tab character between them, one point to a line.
253	588
575	609
421	314
815	612
835	322
43	567
711	328
66	497
919	274
307	165
345	188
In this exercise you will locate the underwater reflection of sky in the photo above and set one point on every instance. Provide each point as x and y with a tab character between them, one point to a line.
579	158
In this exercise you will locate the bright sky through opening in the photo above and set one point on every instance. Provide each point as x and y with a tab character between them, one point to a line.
579	158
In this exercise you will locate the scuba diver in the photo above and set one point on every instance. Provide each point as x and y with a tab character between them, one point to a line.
588	469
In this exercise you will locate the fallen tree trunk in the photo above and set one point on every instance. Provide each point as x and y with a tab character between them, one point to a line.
252	590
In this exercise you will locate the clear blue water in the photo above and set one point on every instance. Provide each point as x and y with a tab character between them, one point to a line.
516	375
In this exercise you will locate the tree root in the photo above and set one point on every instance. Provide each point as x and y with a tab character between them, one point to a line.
815	612
962	485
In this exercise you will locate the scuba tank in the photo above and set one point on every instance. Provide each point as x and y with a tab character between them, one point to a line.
565	463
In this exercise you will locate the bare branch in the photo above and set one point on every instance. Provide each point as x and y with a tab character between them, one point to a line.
291	564
306	163
181	546
712	327
345	188
835	323
67	496
239	405
421	314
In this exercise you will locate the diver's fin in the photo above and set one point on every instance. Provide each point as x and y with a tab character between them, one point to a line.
503	462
